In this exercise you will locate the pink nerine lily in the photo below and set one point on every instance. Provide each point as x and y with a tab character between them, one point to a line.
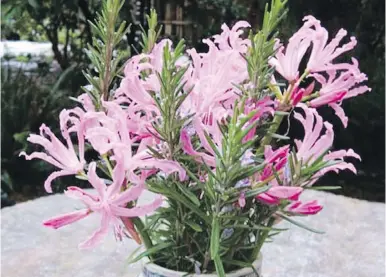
338	87
308	208
110	203
230	38
59	155
323	54
274	160
314	145
188	149
287	64
330	98
278	157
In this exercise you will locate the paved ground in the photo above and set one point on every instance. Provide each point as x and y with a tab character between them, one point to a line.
23	47
353	246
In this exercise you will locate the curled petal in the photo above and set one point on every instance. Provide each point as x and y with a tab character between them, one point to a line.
336	168
165	166
340	113
80	194
86	102
54	175
329	98
188	149
128	195
95	181
273	156
138	210
98	235
41	156
118	178
313	144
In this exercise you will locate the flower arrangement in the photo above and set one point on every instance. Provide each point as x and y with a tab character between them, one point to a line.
200	131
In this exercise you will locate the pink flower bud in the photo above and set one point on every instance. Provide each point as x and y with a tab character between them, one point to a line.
65	219
308	208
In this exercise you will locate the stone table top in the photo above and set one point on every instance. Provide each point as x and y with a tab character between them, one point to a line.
353	245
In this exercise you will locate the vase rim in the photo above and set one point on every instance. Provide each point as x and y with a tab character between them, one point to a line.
242	272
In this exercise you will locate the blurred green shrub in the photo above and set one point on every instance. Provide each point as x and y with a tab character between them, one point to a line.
65	23
28	99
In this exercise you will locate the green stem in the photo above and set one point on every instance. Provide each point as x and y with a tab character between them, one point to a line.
272	129
278	118
106	159
309	97
263	236
144	234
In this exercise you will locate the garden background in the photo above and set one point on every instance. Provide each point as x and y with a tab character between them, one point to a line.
36	87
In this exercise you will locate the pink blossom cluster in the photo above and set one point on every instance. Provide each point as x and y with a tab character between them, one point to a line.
122	131
337	81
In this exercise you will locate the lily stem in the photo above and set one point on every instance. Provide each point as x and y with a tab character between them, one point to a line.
262	237
143	233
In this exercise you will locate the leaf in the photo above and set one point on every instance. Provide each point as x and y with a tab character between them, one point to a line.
149	251
215	238
219	266
180	198
324	188
281	113
252	193
34	3
63	78
258	227
287	218
277	136
240	264
212	145
81	177
193	225
134	253
21	137
189	194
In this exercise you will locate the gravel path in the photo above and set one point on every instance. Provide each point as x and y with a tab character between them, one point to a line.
353	246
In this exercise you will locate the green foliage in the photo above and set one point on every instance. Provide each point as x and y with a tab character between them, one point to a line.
101	53
263	47
150	37
27	100
65	23
170	98
55	20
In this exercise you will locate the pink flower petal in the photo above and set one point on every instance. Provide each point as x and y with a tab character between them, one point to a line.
138	210
95	181
98	235
65	219
53	176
